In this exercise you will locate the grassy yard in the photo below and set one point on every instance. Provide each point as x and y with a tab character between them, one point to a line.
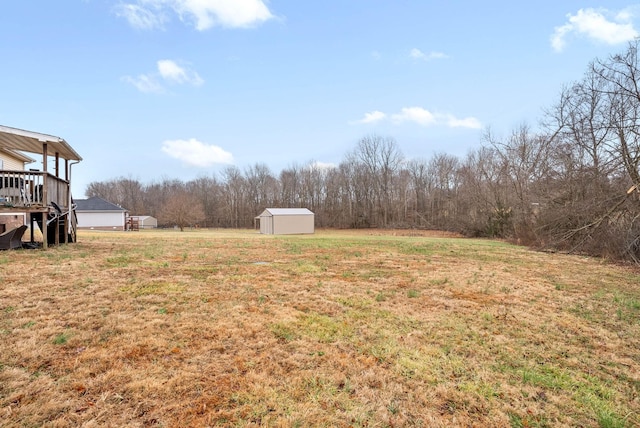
336	329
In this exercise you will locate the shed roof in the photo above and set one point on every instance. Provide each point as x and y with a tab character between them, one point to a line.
287	211
96	203
143	217
31	142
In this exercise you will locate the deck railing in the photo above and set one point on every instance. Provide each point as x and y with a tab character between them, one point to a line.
32	189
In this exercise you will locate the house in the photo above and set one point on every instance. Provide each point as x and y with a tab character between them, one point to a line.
97	213
286	221
42	196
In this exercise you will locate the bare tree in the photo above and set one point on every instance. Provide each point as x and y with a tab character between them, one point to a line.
208	191
381	159
526	159
597	152
313	188
234	197
444	170
125	192
182	209
339	202
621	76
290	180
262	189
484	203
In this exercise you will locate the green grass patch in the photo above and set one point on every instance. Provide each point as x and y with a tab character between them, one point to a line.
323	328
61	339
284	331
153	287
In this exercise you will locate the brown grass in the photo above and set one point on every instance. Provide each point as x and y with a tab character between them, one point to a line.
340	328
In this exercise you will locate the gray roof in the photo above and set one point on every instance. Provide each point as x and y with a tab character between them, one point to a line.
287	211
96	204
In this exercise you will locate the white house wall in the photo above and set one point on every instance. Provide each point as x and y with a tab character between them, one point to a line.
101	220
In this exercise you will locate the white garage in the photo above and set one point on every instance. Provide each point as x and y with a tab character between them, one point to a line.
96	213
286	221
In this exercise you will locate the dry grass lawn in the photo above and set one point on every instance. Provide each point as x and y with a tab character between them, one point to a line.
336	329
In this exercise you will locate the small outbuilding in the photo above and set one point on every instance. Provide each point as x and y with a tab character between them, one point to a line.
144	221
96	213
286	221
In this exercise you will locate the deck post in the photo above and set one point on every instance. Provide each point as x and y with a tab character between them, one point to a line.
32	222
45	232
56	238
45	187
45	196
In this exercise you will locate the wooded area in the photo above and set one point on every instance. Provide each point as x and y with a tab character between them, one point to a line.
571	185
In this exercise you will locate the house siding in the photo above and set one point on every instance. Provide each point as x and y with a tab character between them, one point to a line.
11	220
11	164
101	220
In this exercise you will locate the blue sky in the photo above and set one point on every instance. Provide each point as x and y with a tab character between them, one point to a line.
153	89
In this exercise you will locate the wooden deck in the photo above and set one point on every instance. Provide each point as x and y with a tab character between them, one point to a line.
45	198
32	189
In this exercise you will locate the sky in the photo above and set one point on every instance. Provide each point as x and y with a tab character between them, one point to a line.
179	89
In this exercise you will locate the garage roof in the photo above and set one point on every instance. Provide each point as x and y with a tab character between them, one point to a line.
96	203
31	142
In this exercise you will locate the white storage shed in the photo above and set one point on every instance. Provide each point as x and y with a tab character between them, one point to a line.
145	221
286	221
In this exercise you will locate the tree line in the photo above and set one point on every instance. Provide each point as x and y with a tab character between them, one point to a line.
571	185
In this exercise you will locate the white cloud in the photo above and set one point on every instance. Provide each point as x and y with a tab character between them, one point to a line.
168	72
422	117
415	114
202	14
374	116
141	17
418	54
196	153
602	26
467	122
145	83
323	165
558	38
171	71
226	13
